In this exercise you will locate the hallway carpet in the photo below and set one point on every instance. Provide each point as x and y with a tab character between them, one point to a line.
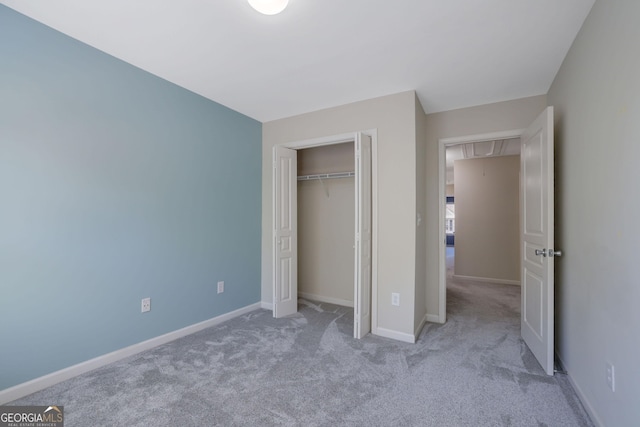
307	370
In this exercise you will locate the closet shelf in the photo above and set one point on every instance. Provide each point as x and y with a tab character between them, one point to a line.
326	176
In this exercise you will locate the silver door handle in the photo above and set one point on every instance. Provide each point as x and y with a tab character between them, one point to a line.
542	252
551	253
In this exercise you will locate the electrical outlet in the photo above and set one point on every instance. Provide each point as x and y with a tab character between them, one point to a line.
146	305
611	377
395	299
220	287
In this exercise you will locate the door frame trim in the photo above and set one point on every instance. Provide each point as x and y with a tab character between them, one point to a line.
443	143
349	137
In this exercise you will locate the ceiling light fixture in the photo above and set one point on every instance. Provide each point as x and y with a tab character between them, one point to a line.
269	7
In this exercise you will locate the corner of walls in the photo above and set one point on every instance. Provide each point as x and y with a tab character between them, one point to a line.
420	309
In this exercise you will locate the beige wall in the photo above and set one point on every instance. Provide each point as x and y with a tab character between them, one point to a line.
516	114
326	225
326	230
326	159
450	190
488	218
394	118
596	96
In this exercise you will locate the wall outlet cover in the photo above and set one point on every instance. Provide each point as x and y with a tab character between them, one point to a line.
395	299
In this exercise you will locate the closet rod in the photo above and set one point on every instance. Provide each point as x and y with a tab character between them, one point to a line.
326	176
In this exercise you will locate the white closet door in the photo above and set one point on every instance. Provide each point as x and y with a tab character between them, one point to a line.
285	232
362	297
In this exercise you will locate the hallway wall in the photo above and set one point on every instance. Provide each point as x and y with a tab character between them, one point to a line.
488	219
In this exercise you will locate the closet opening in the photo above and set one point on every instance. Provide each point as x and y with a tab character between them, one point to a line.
324	233
326	211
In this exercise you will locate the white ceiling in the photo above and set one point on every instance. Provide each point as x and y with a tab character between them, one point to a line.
323	53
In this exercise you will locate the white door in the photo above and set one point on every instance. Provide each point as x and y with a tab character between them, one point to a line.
537	239
362	294
285	232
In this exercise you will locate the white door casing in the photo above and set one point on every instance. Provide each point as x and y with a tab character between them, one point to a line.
537	207
362	291
285	230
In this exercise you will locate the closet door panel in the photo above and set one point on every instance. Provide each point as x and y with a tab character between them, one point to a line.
285	228
362	305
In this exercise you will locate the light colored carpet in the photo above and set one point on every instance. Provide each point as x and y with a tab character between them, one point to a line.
307	370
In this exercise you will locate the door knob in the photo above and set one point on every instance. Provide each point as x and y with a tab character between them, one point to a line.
542	252
555	253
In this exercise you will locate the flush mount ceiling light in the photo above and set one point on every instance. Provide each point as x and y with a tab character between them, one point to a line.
269	7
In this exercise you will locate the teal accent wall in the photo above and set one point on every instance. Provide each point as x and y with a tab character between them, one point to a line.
115	185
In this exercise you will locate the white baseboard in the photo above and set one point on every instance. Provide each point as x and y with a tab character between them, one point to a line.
433	318
395	335
585	402
37	384
488	279
320	298
266	305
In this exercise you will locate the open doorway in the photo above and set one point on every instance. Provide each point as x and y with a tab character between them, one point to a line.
286	233
536	251
450	151
482	211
